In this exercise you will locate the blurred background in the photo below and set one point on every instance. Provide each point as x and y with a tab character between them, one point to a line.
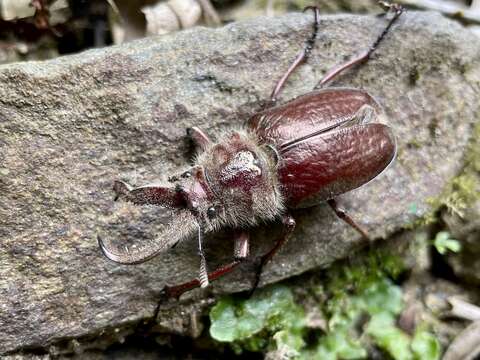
44	29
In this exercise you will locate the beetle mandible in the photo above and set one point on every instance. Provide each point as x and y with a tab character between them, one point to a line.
308	150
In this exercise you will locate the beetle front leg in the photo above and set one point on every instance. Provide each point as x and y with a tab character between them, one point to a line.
288	227
148	195
342	214
177	290
301	57
365	55
241	252
199	138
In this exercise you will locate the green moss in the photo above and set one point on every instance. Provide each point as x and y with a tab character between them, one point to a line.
338	344
247	322
425	345
360	304
462	191
389	337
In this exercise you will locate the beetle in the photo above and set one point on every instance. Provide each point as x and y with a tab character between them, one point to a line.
297	154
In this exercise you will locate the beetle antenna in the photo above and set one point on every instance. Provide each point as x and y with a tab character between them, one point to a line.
203	274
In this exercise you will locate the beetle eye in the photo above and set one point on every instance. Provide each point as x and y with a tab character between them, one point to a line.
211	212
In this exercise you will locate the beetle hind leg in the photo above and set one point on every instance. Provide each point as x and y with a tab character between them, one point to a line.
342	214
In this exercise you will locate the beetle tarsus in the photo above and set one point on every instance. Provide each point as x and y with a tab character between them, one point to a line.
157	307
389	6
163	296
121	190
397	11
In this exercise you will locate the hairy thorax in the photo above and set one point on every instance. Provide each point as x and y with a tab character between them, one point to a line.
242	176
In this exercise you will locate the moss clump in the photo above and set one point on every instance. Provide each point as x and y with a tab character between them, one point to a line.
250	323
360	304
462	191
362	310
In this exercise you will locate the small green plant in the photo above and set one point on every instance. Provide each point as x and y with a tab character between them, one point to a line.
444	243
361	307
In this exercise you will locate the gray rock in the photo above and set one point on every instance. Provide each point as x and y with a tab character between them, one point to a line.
69	127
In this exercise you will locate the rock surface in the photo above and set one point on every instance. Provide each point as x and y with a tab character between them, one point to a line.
70	126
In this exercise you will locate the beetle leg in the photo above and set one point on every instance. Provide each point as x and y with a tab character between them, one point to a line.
199	138
288	227
365	55
177	290
241	249
148	195
241	246
342	214
301	57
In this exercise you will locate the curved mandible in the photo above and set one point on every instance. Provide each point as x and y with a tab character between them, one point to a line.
183	226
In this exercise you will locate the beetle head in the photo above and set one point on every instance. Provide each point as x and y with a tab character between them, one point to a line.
241	182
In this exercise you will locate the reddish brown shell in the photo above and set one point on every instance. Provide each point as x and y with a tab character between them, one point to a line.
335	162
322	152
309	114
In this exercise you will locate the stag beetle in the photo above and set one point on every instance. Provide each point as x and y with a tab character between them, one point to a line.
294	155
